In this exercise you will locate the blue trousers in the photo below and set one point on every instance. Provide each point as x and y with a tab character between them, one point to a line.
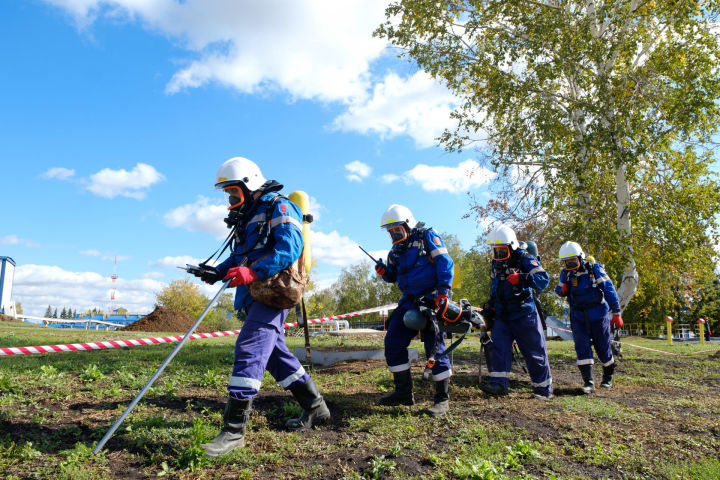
527	332
598	334
397	340
261	345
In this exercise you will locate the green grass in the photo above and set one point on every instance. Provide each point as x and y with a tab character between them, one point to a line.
659	421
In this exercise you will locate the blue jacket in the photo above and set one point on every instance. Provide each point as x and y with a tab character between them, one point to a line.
283	247
421	267
512	302
595	298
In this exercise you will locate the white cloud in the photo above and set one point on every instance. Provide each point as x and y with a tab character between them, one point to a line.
111	183
417	106
153	275
15	240
91	253
316	208
358	171
466	176
201	216
59	172
37	286
105	256
337	249
318	49
179	261
390	178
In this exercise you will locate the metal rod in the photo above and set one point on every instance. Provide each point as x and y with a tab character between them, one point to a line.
169	358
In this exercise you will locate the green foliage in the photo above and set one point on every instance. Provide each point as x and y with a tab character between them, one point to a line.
379	466
92	373
291	410
193	457
183	295
81	464
591	112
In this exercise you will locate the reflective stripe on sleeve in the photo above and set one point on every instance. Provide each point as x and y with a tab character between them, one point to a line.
284	219
286	382
603	279
399	368
438	251
245	382
260	217
546	383
536	270
586	361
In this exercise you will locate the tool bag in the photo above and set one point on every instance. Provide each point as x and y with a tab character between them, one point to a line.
285	288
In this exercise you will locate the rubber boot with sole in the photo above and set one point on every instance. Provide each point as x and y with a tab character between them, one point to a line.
607	378
586	371
403	394
442	398
314	408
232	435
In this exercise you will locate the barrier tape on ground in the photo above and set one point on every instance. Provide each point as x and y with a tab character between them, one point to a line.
75	347
674	354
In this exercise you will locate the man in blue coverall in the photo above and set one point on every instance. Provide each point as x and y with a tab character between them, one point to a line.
515	273
268	239
591	296
420	264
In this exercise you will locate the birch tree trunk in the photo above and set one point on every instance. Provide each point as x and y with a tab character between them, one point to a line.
629	283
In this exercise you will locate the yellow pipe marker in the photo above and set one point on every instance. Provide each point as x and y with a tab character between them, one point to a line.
701	324
668	322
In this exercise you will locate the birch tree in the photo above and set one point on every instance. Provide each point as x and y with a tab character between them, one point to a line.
590	111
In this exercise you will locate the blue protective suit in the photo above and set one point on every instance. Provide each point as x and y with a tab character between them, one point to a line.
592	299
517	319
261	343
421	267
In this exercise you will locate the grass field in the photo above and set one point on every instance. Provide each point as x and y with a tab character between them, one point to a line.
661	420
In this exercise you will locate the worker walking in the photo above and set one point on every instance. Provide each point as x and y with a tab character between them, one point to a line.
265	266
514	275
420	265
594	306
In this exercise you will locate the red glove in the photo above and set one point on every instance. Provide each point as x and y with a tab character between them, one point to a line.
616	320
565	289
514	278
380	268
240	276
439	299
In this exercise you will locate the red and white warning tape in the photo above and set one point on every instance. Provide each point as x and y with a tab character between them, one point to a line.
75	347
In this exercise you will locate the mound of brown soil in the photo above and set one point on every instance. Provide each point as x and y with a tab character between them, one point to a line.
165	320
7	318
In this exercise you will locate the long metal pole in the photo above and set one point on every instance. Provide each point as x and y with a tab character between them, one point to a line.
169	358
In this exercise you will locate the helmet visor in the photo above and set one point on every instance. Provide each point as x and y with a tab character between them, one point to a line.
572	263
501	252
235	196
398	233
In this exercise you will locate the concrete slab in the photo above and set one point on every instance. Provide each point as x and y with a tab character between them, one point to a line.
331	357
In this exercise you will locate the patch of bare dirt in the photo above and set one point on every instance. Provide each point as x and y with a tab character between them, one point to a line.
165	320
7	318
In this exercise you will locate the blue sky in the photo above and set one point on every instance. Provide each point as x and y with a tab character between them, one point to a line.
115	114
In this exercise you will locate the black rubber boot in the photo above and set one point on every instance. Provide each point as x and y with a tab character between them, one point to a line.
442	398
607	376
232	436
586	371
403	394
495	389
314	408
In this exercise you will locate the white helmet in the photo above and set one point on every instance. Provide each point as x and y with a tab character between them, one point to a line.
239	170
503	235
571	249
397	214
